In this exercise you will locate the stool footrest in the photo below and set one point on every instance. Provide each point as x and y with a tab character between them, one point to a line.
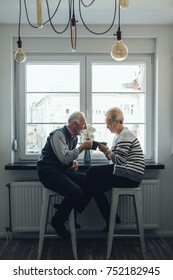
126	235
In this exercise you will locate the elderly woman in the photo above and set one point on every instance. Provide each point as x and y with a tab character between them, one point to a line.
126	166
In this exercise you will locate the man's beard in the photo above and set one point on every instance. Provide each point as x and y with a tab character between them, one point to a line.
78	129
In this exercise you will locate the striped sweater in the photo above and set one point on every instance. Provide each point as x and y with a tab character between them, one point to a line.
127	156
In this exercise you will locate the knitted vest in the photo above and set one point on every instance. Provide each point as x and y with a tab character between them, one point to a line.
48	159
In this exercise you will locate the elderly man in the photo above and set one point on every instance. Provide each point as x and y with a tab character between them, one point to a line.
57	169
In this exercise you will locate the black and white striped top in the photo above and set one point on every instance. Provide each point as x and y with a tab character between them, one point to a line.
128	156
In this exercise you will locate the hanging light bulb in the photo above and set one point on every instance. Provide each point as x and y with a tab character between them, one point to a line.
119	51
39	14
124	3
73	33
19	54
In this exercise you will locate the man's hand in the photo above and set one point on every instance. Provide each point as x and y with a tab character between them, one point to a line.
88	145
85	146
74	165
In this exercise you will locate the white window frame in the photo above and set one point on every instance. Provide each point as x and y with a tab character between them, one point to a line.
85	98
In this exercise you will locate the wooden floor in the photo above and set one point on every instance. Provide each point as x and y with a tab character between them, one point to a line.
88	249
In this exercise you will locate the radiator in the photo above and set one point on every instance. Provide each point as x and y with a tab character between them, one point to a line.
26	198
25	204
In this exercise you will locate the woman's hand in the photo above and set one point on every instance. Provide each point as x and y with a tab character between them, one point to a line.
103	148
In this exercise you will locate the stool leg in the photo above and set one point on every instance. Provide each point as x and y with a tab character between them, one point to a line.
43	223
139	220
113	211
73	233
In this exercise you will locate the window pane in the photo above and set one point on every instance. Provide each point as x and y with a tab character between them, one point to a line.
123	86
36	136
60	77
132	105
48	107
50	100
118	78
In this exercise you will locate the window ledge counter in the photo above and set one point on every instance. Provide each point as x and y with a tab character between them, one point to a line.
33	165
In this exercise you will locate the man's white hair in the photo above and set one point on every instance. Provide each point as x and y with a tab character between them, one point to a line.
75	117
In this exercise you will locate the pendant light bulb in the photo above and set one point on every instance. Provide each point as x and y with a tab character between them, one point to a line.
73	34
119	51
39	14
19	54
124	3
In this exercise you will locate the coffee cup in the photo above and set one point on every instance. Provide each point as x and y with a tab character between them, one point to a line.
95	145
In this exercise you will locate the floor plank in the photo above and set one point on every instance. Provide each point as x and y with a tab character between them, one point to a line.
88	249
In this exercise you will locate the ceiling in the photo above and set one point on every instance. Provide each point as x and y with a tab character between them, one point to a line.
138	11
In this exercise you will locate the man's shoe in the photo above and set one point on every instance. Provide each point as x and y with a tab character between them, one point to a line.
60	229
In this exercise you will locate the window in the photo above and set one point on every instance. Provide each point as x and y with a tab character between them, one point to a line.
51	87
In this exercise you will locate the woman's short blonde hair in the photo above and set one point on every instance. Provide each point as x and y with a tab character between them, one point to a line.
115	114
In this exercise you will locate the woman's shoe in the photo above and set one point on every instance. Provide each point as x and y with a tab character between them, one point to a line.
56	206
60	228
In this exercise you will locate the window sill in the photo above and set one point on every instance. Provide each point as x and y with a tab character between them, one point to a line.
33	166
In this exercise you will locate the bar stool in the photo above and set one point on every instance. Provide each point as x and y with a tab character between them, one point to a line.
137	202
47	195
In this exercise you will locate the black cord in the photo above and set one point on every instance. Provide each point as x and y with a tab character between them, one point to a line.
93	32
27	16
19	42
118	31
119	15
53	13
20	13
50	19
86	6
